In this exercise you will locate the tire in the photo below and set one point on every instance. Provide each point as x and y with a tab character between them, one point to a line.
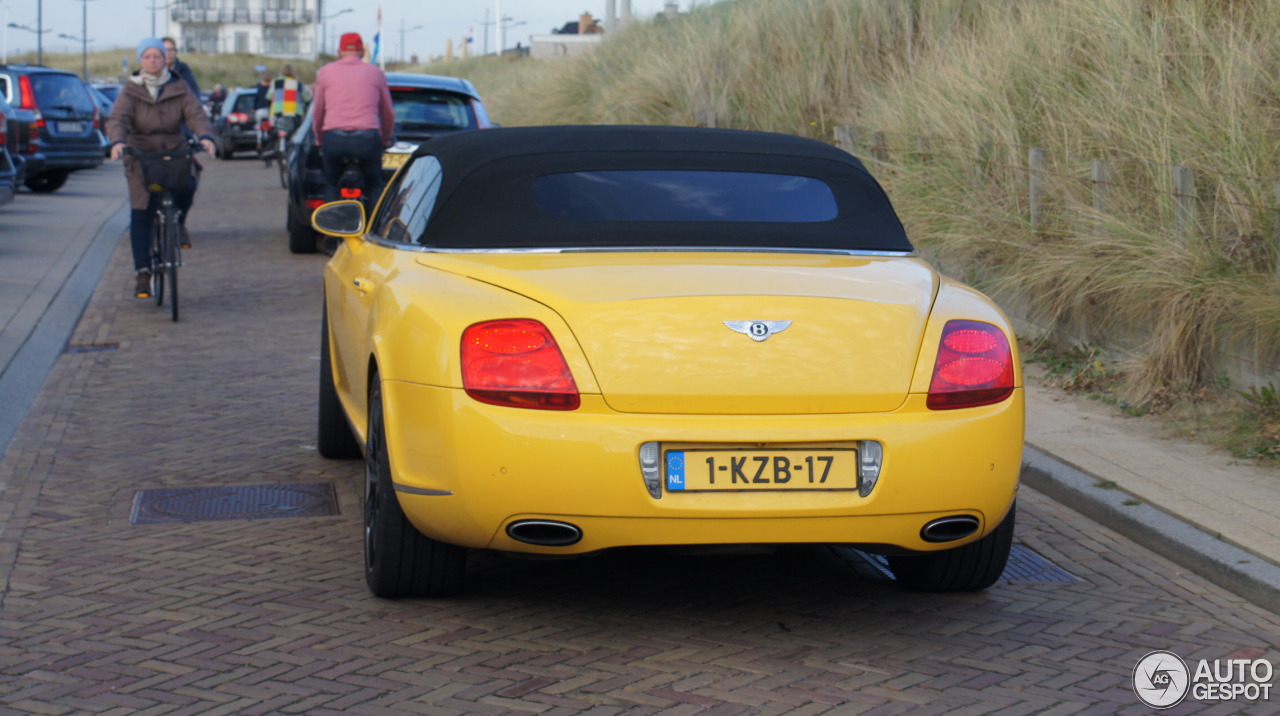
399	561
223	152
970	568
334	438
157	262
302	238
282	164
46	182
173	256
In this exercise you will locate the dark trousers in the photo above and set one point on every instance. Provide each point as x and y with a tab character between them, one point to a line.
141	220
363	145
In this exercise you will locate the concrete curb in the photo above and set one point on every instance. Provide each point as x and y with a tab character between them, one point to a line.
1248	575
22	380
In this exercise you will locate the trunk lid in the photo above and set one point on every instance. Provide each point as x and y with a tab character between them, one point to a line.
653	326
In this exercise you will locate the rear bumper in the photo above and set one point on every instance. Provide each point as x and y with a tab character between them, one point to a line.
465	471
71	158
241	138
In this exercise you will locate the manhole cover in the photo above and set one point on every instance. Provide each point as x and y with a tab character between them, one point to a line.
250	502
1027	566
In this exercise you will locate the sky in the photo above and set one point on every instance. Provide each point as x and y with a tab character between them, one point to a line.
122	23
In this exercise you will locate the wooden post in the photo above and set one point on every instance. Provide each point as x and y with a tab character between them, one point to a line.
846	138
922	149
1100	185
879	146
1277	187
1035	184
1184	194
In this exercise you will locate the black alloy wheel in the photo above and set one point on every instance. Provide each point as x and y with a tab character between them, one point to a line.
399	561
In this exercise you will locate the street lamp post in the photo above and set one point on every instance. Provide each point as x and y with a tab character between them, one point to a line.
83	39
403	30
506	25
324	28
39	36
84	52
161	6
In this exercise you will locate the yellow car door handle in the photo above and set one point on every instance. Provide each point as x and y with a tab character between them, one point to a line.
364	285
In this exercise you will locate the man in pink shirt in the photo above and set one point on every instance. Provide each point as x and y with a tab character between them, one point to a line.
352	117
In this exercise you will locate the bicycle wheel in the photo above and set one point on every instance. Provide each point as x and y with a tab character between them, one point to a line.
157	258
173	254
284	167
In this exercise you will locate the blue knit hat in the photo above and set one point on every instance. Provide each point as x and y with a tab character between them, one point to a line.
148	44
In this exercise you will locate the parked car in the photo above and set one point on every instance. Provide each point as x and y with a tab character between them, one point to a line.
15	137
10	171
235	130
560	340
67	122
104	104
110	90
426	106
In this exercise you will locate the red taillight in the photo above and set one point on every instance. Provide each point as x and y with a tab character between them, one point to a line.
26	95
237	118
974	367
350	193
313	204
516	363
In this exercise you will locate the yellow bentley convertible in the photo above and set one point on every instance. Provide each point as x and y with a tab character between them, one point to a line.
559	340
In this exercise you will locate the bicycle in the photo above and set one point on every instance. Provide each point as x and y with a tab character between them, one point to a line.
284	128
163	174
266	141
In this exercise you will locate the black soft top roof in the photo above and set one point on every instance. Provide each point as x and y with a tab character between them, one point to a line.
486	199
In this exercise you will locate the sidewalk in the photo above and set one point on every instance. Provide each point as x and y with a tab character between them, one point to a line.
50	262
1205	511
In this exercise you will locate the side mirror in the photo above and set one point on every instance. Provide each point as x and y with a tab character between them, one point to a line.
343	219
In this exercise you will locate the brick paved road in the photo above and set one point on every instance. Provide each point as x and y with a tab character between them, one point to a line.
271	616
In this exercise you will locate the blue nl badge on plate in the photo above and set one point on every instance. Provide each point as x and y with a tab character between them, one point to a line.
675	470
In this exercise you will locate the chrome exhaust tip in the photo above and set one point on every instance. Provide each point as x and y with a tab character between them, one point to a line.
949	529
544	533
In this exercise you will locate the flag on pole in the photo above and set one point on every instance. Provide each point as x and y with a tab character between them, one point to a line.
378	59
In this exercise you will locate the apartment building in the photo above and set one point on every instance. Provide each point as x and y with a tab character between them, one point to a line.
279	28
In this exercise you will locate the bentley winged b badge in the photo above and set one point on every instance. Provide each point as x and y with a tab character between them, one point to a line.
758	330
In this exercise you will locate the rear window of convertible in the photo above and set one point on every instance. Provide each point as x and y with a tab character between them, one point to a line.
657	195
637	199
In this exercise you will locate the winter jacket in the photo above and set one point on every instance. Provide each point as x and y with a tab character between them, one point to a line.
154	125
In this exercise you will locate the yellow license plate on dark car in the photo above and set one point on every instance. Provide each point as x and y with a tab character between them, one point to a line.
393	161
780	469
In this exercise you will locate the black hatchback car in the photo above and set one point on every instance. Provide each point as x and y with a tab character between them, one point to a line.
235	129
426	106
66	136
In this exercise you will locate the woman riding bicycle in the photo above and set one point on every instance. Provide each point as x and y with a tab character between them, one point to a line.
149	115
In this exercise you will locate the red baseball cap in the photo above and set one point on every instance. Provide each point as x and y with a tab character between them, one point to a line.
351	42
